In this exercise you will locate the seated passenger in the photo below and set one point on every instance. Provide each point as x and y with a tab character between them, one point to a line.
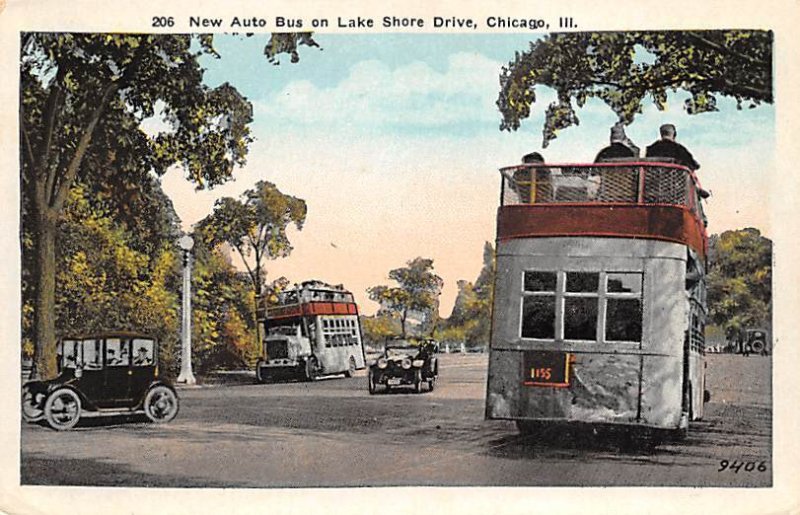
621	146
533	184
669	148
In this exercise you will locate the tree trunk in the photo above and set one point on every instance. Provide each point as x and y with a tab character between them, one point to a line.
44	285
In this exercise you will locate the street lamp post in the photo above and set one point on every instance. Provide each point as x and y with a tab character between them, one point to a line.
186	376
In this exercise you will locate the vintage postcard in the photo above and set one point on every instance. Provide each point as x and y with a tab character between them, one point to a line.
311	258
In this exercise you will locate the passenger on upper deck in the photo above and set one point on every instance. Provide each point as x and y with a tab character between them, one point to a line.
668	147
621	146
522	177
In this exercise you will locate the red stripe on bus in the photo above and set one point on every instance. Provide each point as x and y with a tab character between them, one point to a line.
312	309
653	221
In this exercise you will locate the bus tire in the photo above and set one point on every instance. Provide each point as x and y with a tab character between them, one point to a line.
260	379
311	369
351	367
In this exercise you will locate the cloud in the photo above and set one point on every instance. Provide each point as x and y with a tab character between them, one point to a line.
375	95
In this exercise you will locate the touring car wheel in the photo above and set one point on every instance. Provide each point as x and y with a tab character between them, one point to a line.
31	405
431	383
418	381
160	404
371	382
62	409
351	367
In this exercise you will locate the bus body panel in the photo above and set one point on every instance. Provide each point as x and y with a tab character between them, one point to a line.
630	382
662	392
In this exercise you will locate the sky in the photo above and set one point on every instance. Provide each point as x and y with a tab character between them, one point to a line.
393	141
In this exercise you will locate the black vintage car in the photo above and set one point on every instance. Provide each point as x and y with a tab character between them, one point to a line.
101	374
405	363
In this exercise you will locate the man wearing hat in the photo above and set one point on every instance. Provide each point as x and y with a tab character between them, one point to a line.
621	146
669	148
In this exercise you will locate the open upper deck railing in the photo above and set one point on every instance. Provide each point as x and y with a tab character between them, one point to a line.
628	182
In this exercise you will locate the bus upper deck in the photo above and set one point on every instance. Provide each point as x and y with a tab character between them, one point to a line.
633	199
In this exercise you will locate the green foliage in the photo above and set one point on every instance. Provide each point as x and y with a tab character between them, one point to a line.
83	98
255	226
417	292
740	280
604	65
223	313
378	328
470	320
106	283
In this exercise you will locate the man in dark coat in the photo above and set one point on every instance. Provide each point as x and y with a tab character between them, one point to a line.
668	147
620	147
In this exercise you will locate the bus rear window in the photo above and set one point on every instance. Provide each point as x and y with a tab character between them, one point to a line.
540	281
539	317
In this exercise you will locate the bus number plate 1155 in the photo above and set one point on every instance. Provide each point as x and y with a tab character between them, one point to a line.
546	368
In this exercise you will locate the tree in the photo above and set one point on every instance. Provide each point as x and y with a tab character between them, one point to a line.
470	320
83	98
612	67
418	291
379	327
740	280
255	227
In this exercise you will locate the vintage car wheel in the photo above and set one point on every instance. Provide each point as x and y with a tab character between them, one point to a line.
418	381
351	367
160	404
32	410
431	383
371	386
62	409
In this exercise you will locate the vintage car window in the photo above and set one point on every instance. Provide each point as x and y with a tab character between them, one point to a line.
143	352
92	359
69	353
117	354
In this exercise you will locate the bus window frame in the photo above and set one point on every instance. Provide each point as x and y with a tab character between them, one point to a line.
602	296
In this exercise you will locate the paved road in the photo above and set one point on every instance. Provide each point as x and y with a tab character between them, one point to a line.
332	433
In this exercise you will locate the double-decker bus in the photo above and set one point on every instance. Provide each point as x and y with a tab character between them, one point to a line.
313	330
600	300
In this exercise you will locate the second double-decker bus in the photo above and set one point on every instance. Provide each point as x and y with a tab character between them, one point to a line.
312	331
600	301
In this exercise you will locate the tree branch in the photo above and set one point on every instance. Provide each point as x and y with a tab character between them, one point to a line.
723	50
68	177
26	139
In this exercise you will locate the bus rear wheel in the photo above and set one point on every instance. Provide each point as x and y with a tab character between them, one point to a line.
351	367
311	369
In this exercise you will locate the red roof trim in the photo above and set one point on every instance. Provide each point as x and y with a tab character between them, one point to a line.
651	221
